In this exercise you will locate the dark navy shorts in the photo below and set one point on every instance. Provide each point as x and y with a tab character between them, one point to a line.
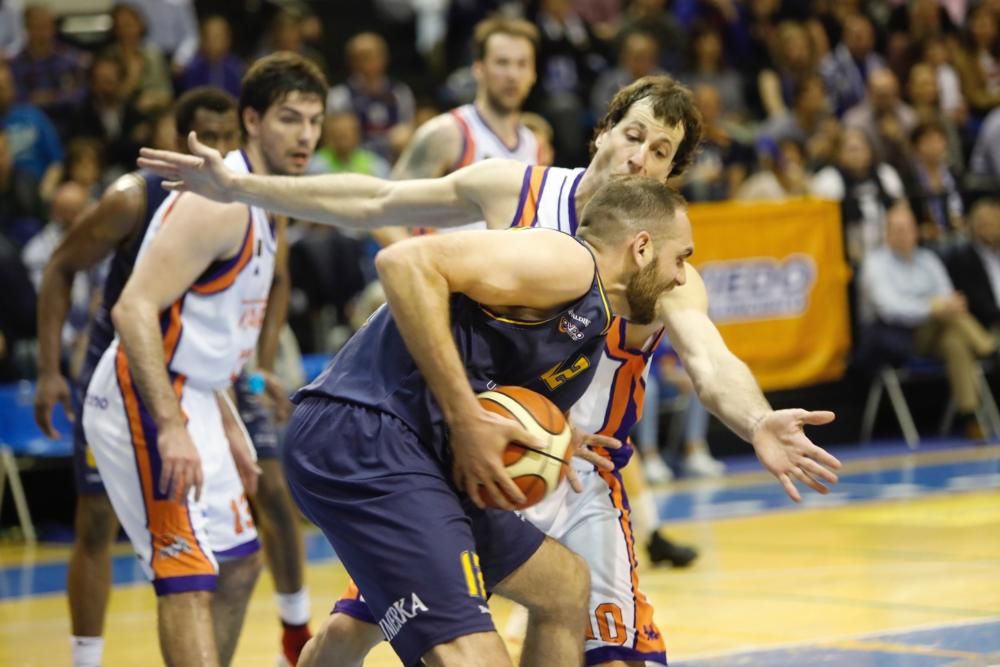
257	418
422	555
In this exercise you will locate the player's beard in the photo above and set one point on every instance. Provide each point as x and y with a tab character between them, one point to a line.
642	292
497	104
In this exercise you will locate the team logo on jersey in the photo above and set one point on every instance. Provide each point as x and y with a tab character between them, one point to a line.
174	548
573	325
401	611
760	288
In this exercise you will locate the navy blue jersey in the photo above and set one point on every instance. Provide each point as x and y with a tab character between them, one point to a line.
102	331
556	358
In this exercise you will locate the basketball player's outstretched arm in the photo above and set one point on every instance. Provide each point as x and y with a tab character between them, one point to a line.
486	190
497	269
182	250
728	389
94	236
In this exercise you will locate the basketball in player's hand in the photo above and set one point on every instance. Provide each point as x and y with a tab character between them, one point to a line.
537	473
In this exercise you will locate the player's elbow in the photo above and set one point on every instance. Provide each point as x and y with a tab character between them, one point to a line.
127	310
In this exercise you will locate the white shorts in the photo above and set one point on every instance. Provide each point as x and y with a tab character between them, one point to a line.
596	525
178	543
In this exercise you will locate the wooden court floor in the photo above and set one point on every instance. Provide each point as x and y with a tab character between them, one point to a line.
899	567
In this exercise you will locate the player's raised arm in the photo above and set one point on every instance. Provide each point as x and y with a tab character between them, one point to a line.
728	389
481	191
539	270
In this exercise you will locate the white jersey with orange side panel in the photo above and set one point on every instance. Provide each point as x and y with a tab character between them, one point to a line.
596	523
208	334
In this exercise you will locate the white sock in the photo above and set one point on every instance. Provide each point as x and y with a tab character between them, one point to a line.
643	515
87	651
294	607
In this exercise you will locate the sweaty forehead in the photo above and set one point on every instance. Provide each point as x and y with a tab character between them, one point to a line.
641	113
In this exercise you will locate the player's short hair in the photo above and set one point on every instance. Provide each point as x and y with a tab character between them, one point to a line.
203	97
626	205
672	103
272	78
503	25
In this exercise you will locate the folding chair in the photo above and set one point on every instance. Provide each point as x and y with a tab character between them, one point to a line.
22	444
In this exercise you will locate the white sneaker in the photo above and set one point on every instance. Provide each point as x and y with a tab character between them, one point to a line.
701	464
655	470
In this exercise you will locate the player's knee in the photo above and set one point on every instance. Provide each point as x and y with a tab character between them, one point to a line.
96	523
568	589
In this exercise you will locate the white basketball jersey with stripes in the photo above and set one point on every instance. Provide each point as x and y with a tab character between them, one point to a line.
480	142
211	331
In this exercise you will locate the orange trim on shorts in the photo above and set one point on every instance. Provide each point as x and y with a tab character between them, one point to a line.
532	197
176	551
643	609
352	592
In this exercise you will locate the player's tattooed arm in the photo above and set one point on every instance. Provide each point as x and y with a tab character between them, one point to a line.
433	151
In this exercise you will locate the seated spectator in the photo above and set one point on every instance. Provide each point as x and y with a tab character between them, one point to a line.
909	25
11	28
709	67
47	73
866	190
32	139
978	59
21	209
544	134
912	309
68	202
974	267
845	70
214	64
922	89
984	164
340	151
722	162
106	114
379	102
884	117
173	28
285	33
655	18
803	120
638	56
85	164
783	172
793	60
147	78
933	191
938	52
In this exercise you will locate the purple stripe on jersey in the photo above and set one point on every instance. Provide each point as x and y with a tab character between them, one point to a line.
541	189
599	656
221	266
356	609
239	551
572	203
562	186
186	584
503	143
525	189
246	160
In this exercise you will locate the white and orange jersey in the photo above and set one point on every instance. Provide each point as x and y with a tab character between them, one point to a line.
212	329
613	402
480	142
548	199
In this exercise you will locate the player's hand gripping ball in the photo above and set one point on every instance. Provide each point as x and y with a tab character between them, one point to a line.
536	472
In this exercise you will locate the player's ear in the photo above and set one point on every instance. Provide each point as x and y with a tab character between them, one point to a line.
642	248
251	121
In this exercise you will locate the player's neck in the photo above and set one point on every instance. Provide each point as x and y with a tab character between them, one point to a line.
611	269
503	123
256	158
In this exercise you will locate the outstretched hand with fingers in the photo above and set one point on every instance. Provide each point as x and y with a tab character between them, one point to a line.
51	389
581	448
203	172
784	449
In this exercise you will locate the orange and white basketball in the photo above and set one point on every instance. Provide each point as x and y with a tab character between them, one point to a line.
537	473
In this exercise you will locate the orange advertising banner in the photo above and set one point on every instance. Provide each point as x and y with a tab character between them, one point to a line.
777	286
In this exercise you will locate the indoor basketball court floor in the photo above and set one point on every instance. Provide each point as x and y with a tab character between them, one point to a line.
898	567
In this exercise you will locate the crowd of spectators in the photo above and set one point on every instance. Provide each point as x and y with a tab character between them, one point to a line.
889	107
